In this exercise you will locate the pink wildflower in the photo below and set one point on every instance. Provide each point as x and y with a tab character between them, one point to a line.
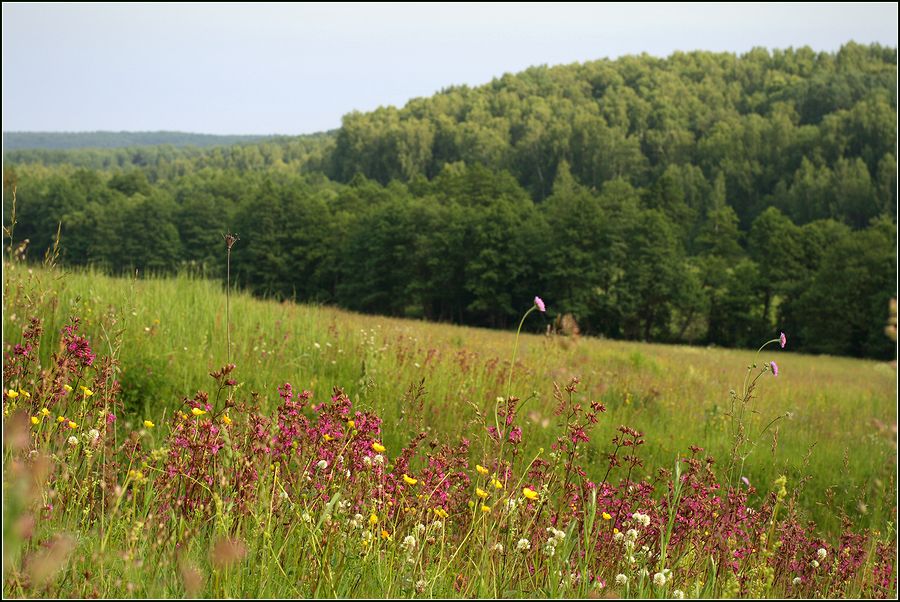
774	368
540	304
783	340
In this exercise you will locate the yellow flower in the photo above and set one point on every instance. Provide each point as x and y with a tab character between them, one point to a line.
615	531
441	512
87	392
226	419
149	424
351	424
606	516
197	412
378	447
409	480
327	437
481	492
60	419
529	493
496	483
24	393
385	534
485	509
68	388
12	394
45	412
481	469
373	519
35	420
73	425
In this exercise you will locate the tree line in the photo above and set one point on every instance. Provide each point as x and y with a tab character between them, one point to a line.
701	198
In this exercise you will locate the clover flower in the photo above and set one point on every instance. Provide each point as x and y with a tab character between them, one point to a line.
621	579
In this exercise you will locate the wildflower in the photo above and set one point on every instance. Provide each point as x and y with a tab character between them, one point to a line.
68	388
678	594
481	469
606	516
351	424
385	534
821	553
746	481
783	340
45	412
24	393
322	464
378	459
497	547
373	519
327	437
149	424
481	492
60	419
485	508
814	564
621	579
87	392
631	534
197	412
529	493
523	545
12	394
774	368
539	303
72	425
797	581
93	435
659	579
409	542
305	517
226	419
409	480
420	585
73	441
496	483
441	512
35	420
379	448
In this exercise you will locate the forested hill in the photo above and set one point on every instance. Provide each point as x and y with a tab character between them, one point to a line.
73	140
704	198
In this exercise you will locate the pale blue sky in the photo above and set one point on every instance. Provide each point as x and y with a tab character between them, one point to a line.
261	69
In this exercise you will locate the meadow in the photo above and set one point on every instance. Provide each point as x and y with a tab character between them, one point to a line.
416	459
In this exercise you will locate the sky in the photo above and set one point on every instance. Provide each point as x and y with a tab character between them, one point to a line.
295	69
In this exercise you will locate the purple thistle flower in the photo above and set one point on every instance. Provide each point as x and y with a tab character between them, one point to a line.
783	340
540	304
774	368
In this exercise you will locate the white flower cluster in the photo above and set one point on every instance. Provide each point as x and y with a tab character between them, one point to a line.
642	519
498	547
678	594
523	545
821	553
659	579
409	543
621	579
322	464
556	537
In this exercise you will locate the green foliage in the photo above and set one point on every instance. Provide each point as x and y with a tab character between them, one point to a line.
698	198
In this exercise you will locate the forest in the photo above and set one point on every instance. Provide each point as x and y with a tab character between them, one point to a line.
702	198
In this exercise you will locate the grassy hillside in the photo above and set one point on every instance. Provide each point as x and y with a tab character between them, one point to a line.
838	433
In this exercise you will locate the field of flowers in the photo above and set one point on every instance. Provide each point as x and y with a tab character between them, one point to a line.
317	453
